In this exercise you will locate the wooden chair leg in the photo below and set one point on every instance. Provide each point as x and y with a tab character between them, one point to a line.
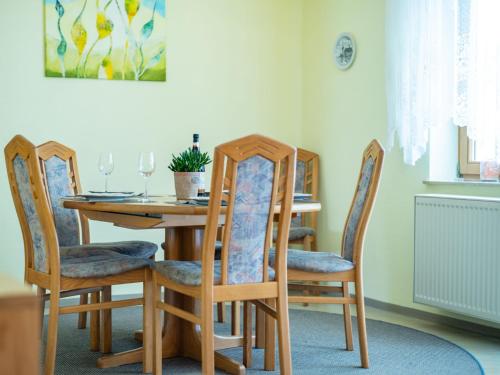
94	324
157	331
360	308
41	294
284	333
347	318
221	312
82	317
235	318
307	243
260	328
308	247
50	353
247	334
270	343
207	338
106	322
147	322
314	244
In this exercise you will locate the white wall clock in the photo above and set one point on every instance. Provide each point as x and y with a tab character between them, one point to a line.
345	51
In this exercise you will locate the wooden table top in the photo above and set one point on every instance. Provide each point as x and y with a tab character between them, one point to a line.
165	205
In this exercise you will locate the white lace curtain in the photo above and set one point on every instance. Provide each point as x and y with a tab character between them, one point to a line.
443	67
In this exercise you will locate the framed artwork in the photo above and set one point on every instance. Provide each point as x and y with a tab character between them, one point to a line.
106	39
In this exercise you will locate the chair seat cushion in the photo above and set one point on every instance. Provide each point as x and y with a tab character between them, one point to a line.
296	233
137	249
189	273
78	262
313	261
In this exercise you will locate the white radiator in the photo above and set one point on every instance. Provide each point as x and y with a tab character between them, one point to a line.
457	254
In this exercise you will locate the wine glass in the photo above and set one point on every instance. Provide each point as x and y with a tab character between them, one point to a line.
106	166
146	169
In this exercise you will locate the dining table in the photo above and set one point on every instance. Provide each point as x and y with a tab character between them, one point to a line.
184	224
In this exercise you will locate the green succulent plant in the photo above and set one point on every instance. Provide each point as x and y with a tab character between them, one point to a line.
189	161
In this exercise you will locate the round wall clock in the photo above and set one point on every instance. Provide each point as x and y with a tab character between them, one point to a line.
345	51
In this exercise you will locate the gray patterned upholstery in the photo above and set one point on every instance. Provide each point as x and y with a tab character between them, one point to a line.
66	220
250	218
189	273
296	233
359	204
81	263
313	261
300	177
27	200
139	249
58	185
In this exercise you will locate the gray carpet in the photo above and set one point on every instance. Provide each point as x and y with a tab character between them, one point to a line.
317	348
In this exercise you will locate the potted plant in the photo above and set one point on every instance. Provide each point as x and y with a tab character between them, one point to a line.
188	169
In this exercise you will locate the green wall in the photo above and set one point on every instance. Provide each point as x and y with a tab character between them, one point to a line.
234	68
342	112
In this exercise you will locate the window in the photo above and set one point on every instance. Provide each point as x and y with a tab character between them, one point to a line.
467	156
458	83
478	85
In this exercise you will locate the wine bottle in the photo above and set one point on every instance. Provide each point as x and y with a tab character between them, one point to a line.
196	148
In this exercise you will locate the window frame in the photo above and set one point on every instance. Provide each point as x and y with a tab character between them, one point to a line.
469	169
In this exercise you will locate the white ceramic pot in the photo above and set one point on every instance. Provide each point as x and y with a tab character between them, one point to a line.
187	184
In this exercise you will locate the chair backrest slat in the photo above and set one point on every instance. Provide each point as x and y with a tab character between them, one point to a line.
362	203
306	181
249	168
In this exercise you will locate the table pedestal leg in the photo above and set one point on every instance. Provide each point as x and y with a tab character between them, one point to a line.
180	337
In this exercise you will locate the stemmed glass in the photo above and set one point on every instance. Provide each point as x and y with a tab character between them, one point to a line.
106	166
146	169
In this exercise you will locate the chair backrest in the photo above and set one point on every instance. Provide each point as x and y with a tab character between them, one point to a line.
28	193
362	203
249	169
306	181
60	174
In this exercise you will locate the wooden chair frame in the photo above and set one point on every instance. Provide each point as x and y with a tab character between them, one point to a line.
265	295
376	152
52	279
311	185
45	152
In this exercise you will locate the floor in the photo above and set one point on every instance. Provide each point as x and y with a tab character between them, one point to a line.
485	349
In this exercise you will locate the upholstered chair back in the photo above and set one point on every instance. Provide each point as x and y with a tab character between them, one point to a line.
249	169
361	207
306	179
40	240
60	174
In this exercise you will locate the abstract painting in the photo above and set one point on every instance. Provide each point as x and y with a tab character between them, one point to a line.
106	39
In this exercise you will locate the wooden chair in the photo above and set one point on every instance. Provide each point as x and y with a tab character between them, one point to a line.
59	168
71	271
303	229
221	308
242	274
304	226
306	266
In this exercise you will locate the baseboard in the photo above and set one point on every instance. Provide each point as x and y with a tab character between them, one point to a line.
435	318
